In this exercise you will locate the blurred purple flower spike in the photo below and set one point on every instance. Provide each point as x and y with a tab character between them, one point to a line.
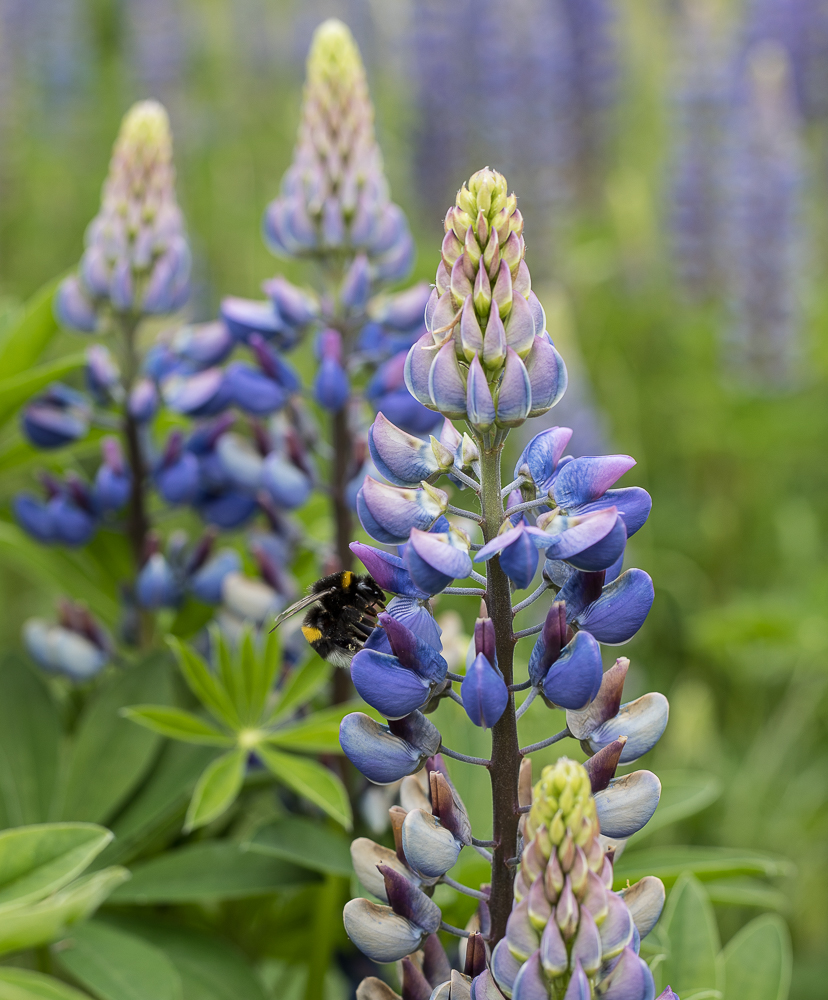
74	308
156	586
101	374
205	584
143	401
204	344
246	316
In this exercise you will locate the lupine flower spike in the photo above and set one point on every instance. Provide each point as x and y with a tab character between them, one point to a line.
551	924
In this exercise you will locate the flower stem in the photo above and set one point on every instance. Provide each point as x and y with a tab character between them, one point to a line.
505	763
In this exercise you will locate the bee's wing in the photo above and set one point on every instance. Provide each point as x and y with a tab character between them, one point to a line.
299	606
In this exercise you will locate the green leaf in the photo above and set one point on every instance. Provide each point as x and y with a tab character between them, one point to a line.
30	730
302	685
116	965
177	724
215	869
111	755
204	684
231	679
305	842
15	390
210	968
191	617
38	923
690	926
311	780
317	733
156	812
58	570
746	892
268	662
683	794
217	789
23	984
38	860
705	863
25	339
758	961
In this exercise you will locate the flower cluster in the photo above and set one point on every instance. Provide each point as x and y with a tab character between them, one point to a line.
137	260
486	356
471	361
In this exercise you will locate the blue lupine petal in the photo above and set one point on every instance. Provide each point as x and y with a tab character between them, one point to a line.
244	316
479	407
200	395
484	693
446	387
72	524
252	391
407	412
331	387
530	983
401	458
227	510
542	454
569	536
392	689
112	487
35	517
156	586
74	308
377	753
604	552
179	482
412	651
630	979
547	376
519	561
633	503
619	612
204	344
514	398
388	513
206	583
289	486
434	559
574	678
418	368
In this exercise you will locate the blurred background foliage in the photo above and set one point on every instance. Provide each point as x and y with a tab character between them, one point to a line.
738	637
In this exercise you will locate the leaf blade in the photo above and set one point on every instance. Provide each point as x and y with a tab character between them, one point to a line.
311	780
177	724
217	789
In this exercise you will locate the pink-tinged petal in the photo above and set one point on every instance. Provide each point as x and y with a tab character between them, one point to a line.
446	387
630	979
505	966
499	543
633	503
547	376
417	367
586	479
604	552
520	327
388	513
378	932
642	721
578	988
404	460
514	398
541	456
570	535
471	336
434	559
387	570
530	983
479	403
604	706
553	954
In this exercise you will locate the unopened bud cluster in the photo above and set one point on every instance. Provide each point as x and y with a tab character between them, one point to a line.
487	357
568	930
137	260
335	196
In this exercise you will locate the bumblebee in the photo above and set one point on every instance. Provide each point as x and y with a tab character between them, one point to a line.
343	613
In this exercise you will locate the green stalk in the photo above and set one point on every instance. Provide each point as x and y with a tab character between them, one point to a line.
505	759
326	923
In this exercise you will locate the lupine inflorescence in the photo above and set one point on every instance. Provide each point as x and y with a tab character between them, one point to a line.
558	929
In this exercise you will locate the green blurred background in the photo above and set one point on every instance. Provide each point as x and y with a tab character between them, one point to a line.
738	636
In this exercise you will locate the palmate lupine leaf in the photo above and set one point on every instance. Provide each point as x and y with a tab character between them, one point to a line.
757	960
693	964
239	695
23	984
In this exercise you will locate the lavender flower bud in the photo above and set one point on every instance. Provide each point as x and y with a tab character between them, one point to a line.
101	375
113	481
156	586
480	317
331	386
56	418
137	260
484	692
76	645
334	196
143	401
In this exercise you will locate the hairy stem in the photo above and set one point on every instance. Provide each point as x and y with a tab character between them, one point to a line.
505	763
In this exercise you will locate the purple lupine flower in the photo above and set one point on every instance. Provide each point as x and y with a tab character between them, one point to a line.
69	516
206	583
700	104
101	374
331	387
137	259
764	235
177	474
113	480
76	646
387	753
56	418
203	345
156	586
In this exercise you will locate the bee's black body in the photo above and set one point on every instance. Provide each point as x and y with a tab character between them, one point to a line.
342	614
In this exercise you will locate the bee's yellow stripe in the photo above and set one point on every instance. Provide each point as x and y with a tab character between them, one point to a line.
311	634
347	577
